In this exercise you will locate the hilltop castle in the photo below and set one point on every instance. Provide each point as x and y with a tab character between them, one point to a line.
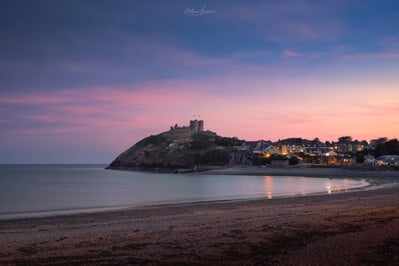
195	125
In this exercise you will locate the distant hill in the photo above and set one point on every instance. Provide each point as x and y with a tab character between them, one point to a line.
179	148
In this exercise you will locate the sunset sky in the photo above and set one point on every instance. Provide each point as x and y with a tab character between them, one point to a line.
81	81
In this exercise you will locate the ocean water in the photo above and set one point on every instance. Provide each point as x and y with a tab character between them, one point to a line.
34	189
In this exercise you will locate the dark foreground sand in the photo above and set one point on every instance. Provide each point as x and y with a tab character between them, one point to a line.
360	227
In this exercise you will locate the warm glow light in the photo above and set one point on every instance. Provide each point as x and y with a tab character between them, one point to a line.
346	184
284	150
268	183
328	187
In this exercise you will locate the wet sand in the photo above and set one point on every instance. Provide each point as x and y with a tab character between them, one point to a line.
360	227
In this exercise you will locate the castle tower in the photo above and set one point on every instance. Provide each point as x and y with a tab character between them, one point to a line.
194	125
201	125
197	125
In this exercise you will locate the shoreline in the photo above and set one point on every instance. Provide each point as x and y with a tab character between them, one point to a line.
358	227
372	177
337	172
304	171
331	173
94	210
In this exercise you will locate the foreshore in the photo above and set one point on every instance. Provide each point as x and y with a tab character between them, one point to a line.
374	177
359	227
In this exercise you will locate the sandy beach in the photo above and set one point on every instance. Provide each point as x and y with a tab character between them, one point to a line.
345	228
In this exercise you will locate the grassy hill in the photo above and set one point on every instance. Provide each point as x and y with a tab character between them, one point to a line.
177	148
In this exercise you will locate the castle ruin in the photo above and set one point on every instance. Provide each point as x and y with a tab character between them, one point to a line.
195	125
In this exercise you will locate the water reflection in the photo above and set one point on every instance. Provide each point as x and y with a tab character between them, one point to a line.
293	186
268	184
303	186
43	188
344	187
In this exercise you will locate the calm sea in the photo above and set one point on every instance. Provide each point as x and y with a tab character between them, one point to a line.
34	189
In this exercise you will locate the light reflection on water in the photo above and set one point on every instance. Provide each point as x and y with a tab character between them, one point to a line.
33	188
344	187
293	186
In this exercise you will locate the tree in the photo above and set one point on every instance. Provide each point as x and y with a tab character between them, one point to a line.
392	147
382	140
380	149
293	160
328	143
258	159
360	156
345	139
316	140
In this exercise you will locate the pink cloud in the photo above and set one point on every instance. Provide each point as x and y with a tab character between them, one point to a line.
257	108
79	110
251	54
285	21
108	109
304	30
33	99
48	118
86	117
156	94
156	98
379	110
49	130
290	53
169	55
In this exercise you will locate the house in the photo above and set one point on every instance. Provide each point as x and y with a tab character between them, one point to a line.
388	160
369	160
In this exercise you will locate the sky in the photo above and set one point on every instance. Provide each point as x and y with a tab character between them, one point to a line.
81	81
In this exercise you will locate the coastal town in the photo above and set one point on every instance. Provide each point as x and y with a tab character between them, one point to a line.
345	151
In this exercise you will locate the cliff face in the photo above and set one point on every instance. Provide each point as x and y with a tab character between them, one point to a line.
177	148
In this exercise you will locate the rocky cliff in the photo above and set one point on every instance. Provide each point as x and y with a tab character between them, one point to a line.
178	148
